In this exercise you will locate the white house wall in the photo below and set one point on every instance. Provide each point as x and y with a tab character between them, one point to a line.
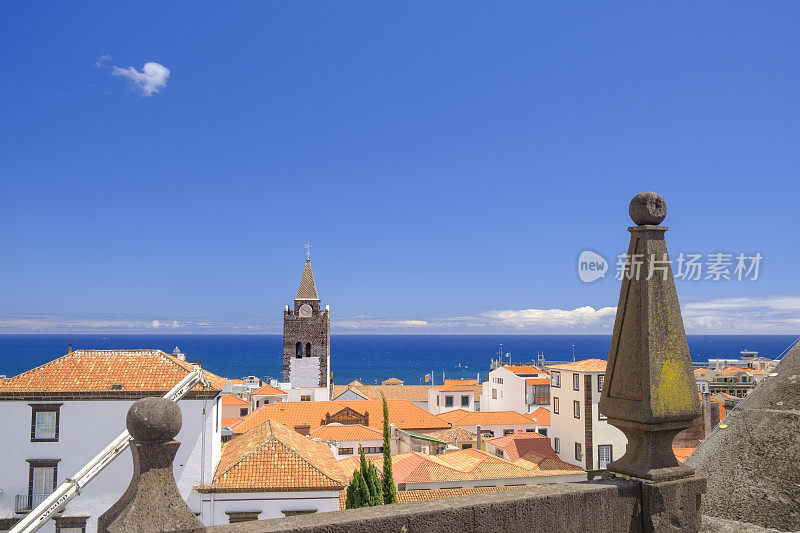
85	428
270	504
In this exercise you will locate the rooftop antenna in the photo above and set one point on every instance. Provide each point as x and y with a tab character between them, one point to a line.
307	246
69	346
573	353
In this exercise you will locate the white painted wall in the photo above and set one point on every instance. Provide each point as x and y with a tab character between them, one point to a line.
304	372
437	401
269	399
318	394
271	504
510	393
570	430
354	444
497	431
85	427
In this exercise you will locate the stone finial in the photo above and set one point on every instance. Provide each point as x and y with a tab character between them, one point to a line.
650	391
152	501
647	209
154	420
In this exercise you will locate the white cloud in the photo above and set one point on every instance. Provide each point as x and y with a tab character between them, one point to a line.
102	60
155	324
582	318
150	80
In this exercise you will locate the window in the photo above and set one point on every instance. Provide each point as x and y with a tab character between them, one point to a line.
601	379
487	433
555	405
604	456
600	416
242	516
543	431
42	480
578	452
298	350
494	394
448	401
437	400
373	449
305	397
466	446
465	401
71	524
576	409
308	349
44	422
508	432
555	379
576	381
345	451
243	411
557	445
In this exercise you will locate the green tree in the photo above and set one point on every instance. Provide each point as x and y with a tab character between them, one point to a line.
388	488
365	488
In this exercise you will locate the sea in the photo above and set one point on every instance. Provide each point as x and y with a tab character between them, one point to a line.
369	358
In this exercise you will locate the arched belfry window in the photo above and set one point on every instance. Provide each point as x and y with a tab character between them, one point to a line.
308	349
298	350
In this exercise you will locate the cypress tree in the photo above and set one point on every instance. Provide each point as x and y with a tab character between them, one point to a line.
365	488
388	488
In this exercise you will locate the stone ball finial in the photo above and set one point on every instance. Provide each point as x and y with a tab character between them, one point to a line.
648	208
154	420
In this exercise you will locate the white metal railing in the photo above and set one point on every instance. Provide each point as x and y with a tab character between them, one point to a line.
72	487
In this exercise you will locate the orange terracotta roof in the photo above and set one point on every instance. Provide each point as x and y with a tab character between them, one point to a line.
346	432
230	399
110	372
523	369
463	382
236	381
403	414
699	370
392	381
460	417
410	496
540	415
683	453
537	381
520	445
469	464
412	393
269	390
271	457
231	422
453	435
452	388
587	365
732	369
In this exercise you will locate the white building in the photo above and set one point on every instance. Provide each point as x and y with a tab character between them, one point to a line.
347	439
271	471
58	416
489	423
580	434
444	398
520	388
268	394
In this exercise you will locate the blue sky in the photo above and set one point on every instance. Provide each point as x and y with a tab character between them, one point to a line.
448	162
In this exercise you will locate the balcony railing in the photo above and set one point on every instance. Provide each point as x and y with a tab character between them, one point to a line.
23	503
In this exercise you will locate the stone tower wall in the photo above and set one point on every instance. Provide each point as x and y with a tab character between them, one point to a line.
310	371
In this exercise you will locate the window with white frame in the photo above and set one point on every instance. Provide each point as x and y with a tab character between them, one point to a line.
555	379
557	445
601	379
578	451
576	382
555	404
576	409
44	422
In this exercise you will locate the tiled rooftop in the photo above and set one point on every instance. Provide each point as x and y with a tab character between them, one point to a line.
520	445
271	457
537	381
346	432
269	390
462	382
106	372
403	414
230	399
524	369
453	435
470	464
460	417
540	415
587	365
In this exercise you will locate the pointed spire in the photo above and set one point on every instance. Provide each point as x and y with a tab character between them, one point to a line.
650	391
307	289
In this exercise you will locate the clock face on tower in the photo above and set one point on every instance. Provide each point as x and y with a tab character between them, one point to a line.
305	311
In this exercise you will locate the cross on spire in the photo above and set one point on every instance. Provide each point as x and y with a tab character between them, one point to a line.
307	246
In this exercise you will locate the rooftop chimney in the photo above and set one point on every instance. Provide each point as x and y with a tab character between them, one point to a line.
303	429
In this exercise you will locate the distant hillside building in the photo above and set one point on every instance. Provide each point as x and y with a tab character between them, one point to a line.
307	337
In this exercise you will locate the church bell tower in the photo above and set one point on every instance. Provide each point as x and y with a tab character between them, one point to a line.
307	335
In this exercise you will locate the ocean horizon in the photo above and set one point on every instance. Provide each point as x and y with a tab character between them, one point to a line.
369	358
